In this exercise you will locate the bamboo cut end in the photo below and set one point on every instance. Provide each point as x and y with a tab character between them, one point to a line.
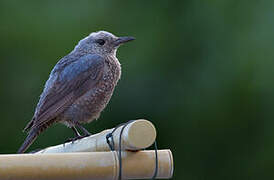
140	134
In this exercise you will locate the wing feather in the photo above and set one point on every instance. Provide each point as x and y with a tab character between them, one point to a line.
66	86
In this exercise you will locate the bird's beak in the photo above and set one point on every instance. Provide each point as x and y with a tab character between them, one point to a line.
122	40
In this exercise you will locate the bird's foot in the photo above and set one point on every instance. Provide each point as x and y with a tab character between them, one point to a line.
72	140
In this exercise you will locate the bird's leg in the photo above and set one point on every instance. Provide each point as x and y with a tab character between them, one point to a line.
86	132
75	131
78	135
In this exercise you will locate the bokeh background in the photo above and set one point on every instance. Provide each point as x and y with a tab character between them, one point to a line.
201	71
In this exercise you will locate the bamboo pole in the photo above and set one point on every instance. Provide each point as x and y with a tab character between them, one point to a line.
85	165
137	135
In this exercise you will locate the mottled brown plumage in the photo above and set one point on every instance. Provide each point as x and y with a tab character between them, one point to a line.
80	85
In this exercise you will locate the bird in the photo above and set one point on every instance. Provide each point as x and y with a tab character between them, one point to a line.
79	86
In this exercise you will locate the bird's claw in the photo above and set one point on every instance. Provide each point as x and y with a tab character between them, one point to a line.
72	140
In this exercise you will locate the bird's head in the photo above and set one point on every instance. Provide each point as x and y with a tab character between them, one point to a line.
102	43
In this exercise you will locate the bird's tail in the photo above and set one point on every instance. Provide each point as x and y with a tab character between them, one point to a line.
29	125
33	133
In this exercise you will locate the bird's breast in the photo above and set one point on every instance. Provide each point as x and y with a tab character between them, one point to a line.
89	106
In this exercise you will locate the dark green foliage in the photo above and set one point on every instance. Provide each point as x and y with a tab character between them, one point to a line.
202	71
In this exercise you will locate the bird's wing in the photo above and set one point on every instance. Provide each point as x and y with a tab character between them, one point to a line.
64	87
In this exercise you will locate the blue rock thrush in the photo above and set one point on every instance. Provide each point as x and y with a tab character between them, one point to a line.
79	87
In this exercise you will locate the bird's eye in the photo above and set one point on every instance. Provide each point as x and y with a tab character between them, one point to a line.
100	41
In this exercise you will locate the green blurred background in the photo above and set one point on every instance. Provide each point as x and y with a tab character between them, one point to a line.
201	71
